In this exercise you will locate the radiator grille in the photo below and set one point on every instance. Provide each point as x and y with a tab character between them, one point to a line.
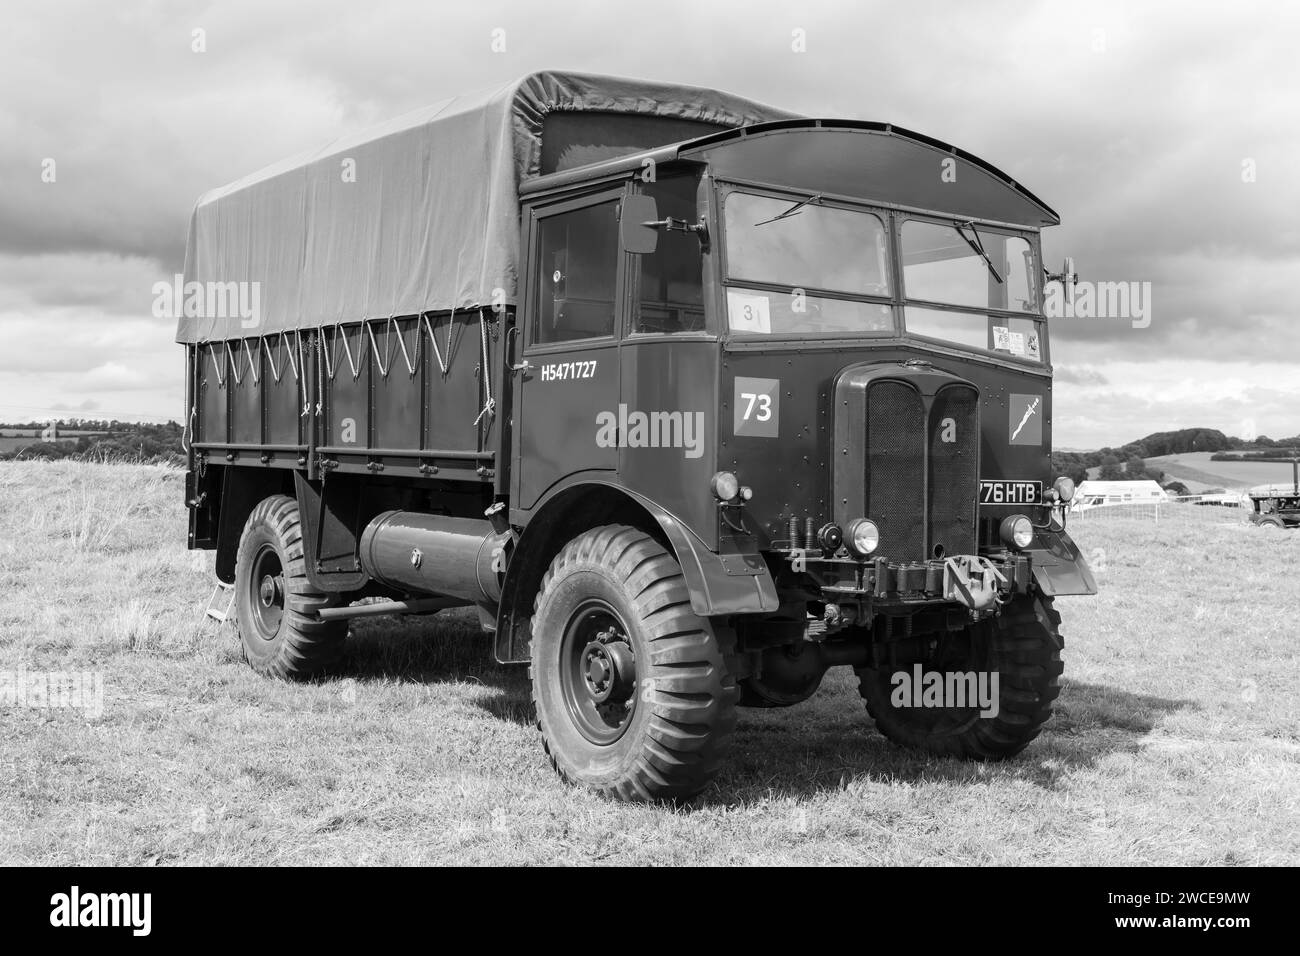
954	449
895	466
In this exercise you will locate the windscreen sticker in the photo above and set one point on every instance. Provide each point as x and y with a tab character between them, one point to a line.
748	312
1031	345
1004	340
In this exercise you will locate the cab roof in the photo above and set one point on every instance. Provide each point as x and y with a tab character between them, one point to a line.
856	159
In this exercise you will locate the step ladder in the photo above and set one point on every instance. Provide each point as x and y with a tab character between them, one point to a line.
222	603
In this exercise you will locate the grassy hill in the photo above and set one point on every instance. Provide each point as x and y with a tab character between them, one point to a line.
1189	456
1199	470
1174	740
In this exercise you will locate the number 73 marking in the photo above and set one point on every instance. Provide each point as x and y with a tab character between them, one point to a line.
764	403
756	407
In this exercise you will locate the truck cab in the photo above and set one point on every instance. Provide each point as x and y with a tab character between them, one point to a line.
824	359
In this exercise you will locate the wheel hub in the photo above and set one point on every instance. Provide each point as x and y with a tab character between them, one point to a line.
268	591
598	673
608	668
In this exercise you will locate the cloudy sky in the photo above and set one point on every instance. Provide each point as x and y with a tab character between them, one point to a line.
1167	135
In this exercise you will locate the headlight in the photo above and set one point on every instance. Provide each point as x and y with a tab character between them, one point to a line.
1064	488
725	486
1016	532
862	536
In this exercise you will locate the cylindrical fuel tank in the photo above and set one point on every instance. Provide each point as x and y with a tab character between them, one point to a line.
458	557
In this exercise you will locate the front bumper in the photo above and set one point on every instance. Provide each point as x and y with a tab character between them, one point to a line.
977	582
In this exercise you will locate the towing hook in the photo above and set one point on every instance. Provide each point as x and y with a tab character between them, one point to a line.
973	581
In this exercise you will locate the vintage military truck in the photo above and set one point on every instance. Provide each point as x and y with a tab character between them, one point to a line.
691	398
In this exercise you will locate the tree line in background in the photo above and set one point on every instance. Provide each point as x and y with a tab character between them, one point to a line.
148	442
1127	463
1280	453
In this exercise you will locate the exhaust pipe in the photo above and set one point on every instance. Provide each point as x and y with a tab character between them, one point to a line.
434	554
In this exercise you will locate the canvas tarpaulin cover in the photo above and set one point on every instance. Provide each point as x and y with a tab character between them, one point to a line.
420	214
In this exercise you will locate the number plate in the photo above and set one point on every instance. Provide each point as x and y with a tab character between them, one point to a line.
1011	492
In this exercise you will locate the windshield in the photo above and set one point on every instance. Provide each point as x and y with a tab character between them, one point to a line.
802	243
809	248
944	264
974	272
798	265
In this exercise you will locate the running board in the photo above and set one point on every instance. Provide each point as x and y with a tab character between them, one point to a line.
415	606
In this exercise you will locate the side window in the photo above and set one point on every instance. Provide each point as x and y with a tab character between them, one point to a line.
671	294
577	272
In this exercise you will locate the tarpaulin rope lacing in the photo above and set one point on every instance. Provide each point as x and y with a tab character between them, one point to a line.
489	403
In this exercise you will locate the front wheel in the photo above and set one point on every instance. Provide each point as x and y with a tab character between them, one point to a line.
633	694
1004	670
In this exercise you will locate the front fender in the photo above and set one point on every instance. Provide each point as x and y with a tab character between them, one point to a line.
719	583
1058	566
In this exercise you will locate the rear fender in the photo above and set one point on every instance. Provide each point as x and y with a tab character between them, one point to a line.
242	488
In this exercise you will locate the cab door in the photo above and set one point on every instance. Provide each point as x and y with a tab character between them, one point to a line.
566	386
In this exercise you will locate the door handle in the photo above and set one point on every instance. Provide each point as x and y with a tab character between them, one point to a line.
511	337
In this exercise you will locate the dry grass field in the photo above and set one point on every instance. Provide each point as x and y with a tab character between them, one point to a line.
1175	740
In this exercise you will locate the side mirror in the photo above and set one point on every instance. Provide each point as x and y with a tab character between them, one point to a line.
637	228
1067	277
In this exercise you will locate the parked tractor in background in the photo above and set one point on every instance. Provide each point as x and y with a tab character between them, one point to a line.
1277	506
1273	510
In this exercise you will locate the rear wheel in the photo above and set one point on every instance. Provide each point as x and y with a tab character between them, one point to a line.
275	604
633	694
1022	647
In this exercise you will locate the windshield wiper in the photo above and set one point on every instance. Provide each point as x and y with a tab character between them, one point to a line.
792	211
978	247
